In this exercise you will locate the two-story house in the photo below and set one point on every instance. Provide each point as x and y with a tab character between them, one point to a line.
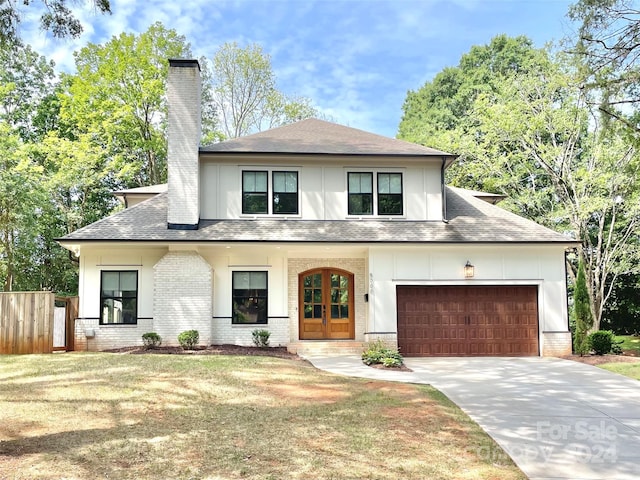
324	235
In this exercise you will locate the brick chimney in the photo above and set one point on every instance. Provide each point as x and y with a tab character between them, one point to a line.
184	131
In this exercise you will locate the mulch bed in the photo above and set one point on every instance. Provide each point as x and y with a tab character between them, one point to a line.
402	368
279	352
600	359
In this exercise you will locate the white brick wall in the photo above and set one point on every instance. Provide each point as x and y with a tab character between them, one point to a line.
226	333
556	344
184	127
353	265
182	296
109	336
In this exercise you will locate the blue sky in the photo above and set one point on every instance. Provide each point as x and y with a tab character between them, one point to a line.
356	59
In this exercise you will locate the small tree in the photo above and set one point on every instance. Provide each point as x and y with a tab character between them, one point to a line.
582	310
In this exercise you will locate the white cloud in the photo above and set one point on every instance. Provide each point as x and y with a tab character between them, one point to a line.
354	59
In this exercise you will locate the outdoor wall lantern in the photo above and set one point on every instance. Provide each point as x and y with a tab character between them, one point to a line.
469	270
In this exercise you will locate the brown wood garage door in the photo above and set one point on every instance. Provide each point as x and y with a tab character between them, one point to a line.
467	320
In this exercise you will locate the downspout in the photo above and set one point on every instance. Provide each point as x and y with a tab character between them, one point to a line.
444	192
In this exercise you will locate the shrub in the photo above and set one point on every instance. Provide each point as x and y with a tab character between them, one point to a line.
616	349
601	341
378	353
188	339
261	338
392	361
151	340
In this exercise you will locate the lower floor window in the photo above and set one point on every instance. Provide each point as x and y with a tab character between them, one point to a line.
249	297
118	297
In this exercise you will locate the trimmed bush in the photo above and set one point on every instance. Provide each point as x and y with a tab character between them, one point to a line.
378	353
601	341
188	339
151	340
261	338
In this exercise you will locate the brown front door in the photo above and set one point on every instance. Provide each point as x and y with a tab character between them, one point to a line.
326	304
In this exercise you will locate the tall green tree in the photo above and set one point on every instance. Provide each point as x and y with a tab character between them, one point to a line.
78	193
541	145
622	312
533	137
57	18
20	198
608	47
245	93
26	79
117	97
582	313
441	105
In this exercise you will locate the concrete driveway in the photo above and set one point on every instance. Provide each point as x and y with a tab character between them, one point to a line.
557	419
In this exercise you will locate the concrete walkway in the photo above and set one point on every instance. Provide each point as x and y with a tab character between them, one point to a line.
557	419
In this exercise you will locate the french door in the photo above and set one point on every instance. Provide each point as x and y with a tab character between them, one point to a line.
326	304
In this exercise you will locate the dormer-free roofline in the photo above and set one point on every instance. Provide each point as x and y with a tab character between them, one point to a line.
318	137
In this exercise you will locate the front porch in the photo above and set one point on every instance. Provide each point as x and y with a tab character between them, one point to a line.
310	348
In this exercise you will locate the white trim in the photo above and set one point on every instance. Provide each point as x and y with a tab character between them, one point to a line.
484	282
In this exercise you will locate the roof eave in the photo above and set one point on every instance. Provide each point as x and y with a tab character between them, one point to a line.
70	242
204	151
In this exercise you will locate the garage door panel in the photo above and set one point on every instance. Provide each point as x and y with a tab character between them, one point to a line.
467	320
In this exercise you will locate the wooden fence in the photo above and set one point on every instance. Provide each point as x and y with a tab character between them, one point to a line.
26	322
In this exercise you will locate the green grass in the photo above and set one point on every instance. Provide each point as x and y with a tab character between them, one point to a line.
96	415
631	343
631	370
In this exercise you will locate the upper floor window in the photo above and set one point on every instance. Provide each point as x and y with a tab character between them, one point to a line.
256	188
285	192
360	193
387	197
254	192
118	297
389	194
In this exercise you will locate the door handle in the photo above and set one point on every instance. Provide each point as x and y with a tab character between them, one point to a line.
324	315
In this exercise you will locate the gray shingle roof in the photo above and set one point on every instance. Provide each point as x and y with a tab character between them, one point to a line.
320	137
471	220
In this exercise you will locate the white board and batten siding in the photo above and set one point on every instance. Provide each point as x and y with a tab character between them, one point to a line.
540	266
323	189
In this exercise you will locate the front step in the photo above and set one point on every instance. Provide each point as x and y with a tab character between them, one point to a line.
310	348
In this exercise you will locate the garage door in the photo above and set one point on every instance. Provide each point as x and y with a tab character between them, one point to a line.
467	321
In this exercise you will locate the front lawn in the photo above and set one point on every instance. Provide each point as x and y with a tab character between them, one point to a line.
117	416
631	344
631	370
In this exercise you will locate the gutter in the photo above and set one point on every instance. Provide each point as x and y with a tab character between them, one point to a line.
444	192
